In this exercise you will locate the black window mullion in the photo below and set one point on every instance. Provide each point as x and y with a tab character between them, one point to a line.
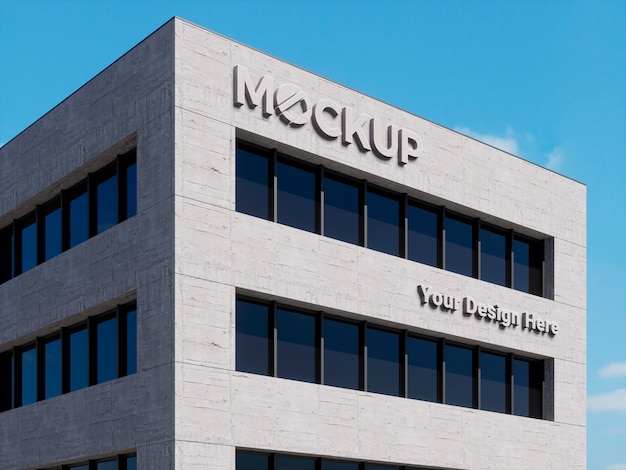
40	369
65	221
404	365
509	258
92	204
476	249
92	373
122	333
17	377
509	384
404	226
319	340
476	378
40	229
273	342
65	360
17	247
91	465
363	211
122	188
319	200
363	361
273	187
442	239
442	379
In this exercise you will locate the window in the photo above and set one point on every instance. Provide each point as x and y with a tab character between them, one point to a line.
106	199
339	465
121	462
383	364
253	342
459	376
296	201
294	193
288	462
493	382
52	367
383	223
296	348
107	465
423	360
342	219
52	230
313	347
459	246
86	209
78	359
28	243
423	229
341	354
252	461
527	389
493	257
64	361
253	182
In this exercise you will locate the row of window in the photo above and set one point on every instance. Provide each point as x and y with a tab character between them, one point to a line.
95	204
280	341
97	350
249	460
121	462
275	187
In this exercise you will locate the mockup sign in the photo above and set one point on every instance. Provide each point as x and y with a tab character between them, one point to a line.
504	318
330	120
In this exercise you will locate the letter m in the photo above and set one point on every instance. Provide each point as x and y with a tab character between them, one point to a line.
245	91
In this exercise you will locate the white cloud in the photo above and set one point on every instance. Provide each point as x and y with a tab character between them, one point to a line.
619	466
617	369
555	159
611	401
508	143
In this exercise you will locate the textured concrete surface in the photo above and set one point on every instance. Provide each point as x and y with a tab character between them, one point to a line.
187	253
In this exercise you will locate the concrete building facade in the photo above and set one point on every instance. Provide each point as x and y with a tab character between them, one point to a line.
250	283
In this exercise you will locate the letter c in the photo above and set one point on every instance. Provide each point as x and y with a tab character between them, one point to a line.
322	126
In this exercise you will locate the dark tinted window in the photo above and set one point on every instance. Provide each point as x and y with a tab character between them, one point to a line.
29	376
422	369
29	244
253	189
79	467
383	223
131	190
383	362
422	235
341	210
106	212
287	462
337	465
131	463
459	385
108	465
493	256
252	337
370	466
52	230
131	342
341	354
459	246
492	382
296	345
527	388
252	461
79	217
6	254
78	359
52	369
296	196
6	381
527	267
107	350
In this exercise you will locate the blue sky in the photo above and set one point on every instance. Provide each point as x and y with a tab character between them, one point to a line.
544	79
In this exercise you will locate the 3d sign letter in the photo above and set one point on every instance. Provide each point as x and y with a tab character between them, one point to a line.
329	119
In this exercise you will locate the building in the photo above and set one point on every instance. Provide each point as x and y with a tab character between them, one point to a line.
214	259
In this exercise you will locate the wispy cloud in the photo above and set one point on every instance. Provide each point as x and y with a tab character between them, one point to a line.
611	401
555	159
616	369
619	466
508	142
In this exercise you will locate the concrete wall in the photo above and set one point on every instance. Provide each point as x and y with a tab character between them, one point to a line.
220	252
129	103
